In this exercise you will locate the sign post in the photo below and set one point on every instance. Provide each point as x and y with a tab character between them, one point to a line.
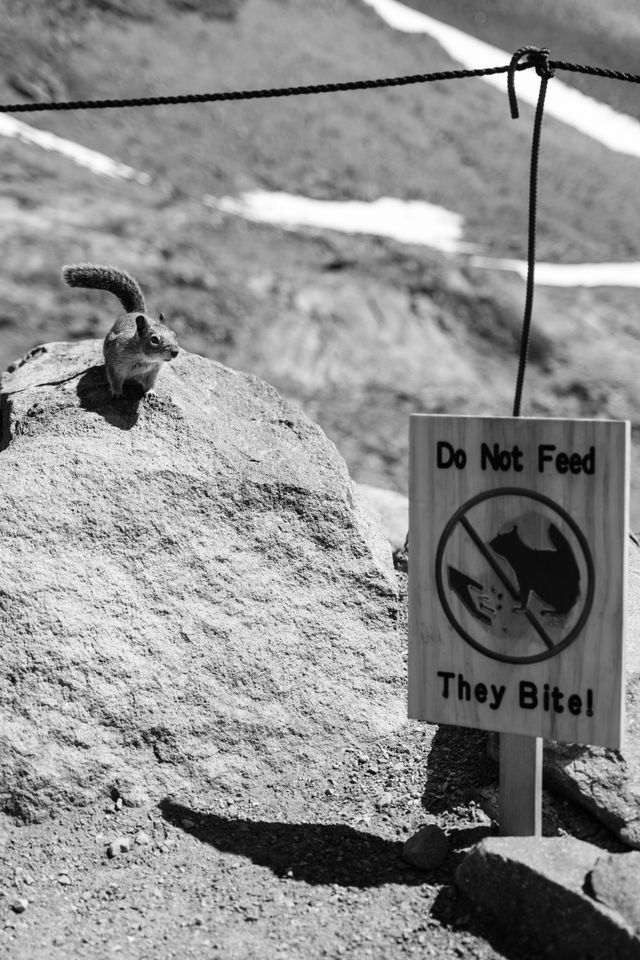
516	586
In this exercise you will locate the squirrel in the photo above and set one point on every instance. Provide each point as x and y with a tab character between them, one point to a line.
553	575
137	345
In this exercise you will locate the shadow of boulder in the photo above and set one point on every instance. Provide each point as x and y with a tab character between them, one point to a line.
316	853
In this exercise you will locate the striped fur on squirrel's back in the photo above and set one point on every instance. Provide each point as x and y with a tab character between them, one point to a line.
124	287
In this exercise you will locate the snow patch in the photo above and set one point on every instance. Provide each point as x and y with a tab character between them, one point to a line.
415	222
97	162
614	130
408	221
568	274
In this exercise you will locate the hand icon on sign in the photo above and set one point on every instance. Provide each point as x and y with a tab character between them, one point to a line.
462	585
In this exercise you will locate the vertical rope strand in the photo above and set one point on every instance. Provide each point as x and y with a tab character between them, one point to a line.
544	73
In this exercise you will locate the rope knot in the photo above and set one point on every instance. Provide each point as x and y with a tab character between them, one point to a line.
537	57
540	60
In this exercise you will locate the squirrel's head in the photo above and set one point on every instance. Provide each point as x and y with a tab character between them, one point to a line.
502	541
157	340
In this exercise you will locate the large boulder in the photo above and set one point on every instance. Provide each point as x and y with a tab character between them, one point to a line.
558	894
193	596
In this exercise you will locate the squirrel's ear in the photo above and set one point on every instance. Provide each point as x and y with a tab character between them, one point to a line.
161	318
141	323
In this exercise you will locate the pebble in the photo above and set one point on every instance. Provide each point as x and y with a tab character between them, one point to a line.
64	879
119	845
19	905
188	824
142	838
426	849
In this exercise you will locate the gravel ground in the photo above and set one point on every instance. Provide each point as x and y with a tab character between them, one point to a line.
243	878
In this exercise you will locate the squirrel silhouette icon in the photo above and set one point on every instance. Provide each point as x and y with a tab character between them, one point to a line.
552	575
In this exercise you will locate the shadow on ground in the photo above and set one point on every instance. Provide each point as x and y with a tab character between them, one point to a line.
317	853
334	854
94	396
457	767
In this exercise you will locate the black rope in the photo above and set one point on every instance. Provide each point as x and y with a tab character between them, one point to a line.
594	71
316	88
540	59
254	94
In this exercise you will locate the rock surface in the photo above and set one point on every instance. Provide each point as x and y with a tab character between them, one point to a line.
525	880
194	597
615	881
392	509
428	848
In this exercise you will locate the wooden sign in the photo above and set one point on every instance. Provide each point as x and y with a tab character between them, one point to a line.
517	575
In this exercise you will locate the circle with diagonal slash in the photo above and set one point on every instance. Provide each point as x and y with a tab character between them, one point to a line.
507	575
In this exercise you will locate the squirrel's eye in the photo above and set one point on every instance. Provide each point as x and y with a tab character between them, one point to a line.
154	340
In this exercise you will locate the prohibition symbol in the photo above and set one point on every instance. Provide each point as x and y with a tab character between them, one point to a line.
515	575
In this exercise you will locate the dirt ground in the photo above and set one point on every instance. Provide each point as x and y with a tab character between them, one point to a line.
247	877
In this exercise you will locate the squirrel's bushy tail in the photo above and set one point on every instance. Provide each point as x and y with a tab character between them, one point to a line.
125	288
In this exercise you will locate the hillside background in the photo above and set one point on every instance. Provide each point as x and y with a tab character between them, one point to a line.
361	331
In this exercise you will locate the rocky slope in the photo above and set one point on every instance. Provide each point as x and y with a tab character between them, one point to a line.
360	331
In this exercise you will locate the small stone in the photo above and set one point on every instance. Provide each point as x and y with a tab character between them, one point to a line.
64	879
119	845
384	801
118	804
426	849
19	904
142	838
188	824
615	881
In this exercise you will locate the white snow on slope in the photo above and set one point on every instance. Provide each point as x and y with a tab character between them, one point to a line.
568	274
614	130
414	222
410	221
97	162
